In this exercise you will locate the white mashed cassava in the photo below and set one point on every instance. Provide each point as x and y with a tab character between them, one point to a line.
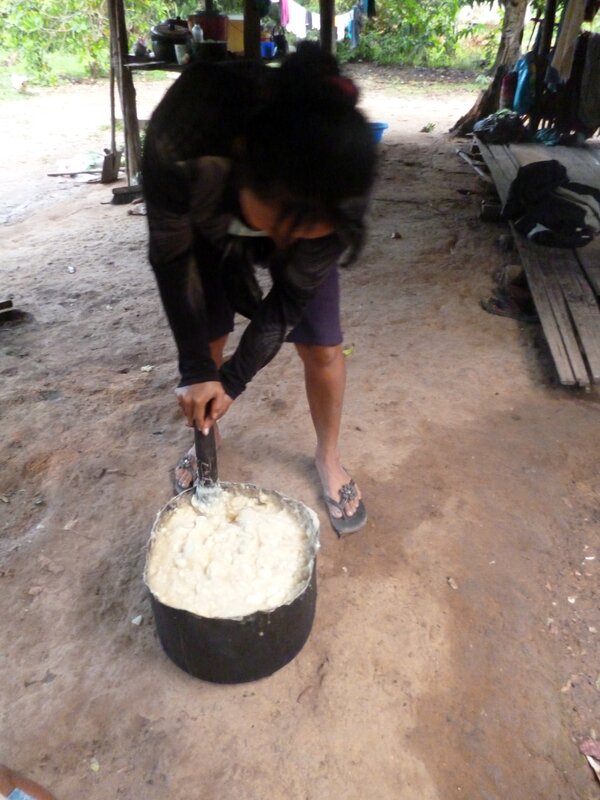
232	557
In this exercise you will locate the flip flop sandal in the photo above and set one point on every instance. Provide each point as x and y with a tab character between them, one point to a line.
505	307
188	463
347	523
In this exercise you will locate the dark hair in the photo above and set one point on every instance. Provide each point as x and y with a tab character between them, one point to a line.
309	149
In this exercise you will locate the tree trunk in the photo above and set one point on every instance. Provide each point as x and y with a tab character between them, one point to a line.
508	53
512	33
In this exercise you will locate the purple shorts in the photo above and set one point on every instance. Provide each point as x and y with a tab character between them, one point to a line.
319	325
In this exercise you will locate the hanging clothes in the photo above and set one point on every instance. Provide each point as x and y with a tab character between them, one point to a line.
297	19
568	94
570	29
589	102
356	25
342	22
284	13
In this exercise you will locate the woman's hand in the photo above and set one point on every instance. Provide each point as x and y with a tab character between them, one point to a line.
203	404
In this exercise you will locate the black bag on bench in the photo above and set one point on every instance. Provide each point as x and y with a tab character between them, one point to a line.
548	208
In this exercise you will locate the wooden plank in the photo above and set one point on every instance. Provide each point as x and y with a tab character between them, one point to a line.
583	309
149	66
475	165
589	258
500	165
580	162
530	153
566	305
554	317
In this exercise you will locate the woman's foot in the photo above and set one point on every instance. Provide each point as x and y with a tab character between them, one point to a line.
346	510
185	470
184	473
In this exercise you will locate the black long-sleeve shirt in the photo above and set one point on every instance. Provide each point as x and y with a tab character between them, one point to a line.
187	176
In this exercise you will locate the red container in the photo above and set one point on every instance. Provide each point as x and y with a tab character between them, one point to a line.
215	27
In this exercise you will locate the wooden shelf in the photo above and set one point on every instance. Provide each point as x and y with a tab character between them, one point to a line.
150	66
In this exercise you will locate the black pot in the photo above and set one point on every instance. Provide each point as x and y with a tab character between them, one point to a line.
166	35
209	51
248	648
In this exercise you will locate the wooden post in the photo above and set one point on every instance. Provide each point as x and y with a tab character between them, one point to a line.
118	55
542	62
547	29
327	37
251	30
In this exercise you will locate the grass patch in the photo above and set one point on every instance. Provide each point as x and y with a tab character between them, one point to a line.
64	66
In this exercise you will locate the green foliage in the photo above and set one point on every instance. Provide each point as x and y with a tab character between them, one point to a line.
477	45
416	32
413	32
32	32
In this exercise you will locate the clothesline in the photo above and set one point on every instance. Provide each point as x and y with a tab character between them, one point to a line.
296	19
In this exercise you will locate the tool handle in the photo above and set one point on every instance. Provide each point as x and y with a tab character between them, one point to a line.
206	455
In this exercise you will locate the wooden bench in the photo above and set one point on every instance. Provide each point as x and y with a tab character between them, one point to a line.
564	284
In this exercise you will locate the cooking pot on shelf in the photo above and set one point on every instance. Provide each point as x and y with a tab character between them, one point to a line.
245	648
166	35
209	51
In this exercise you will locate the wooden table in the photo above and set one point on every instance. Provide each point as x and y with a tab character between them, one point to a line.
564	283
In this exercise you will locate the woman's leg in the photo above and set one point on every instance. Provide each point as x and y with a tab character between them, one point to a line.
318	339
325	380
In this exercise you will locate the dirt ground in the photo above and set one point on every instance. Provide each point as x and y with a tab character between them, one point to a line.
455	648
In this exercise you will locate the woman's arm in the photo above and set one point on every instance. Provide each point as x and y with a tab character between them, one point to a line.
181	293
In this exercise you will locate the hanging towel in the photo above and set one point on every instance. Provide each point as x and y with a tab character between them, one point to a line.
570	28
589	103
342	21
297	19
284	13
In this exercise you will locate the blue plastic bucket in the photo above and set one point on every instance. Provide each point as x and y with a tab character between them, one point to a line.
267	49
378	128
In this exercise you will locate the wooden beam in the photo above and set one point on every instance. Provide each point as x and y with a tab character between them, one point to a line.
251	30
327	35
553	314
542	62
589	258
118	55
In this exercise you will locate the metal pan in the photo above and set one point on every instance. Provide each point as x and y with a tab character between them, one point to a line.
251	647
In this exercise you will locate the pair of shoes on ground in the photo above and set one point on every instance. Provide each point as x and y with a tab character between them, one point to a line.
511	301
343	525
